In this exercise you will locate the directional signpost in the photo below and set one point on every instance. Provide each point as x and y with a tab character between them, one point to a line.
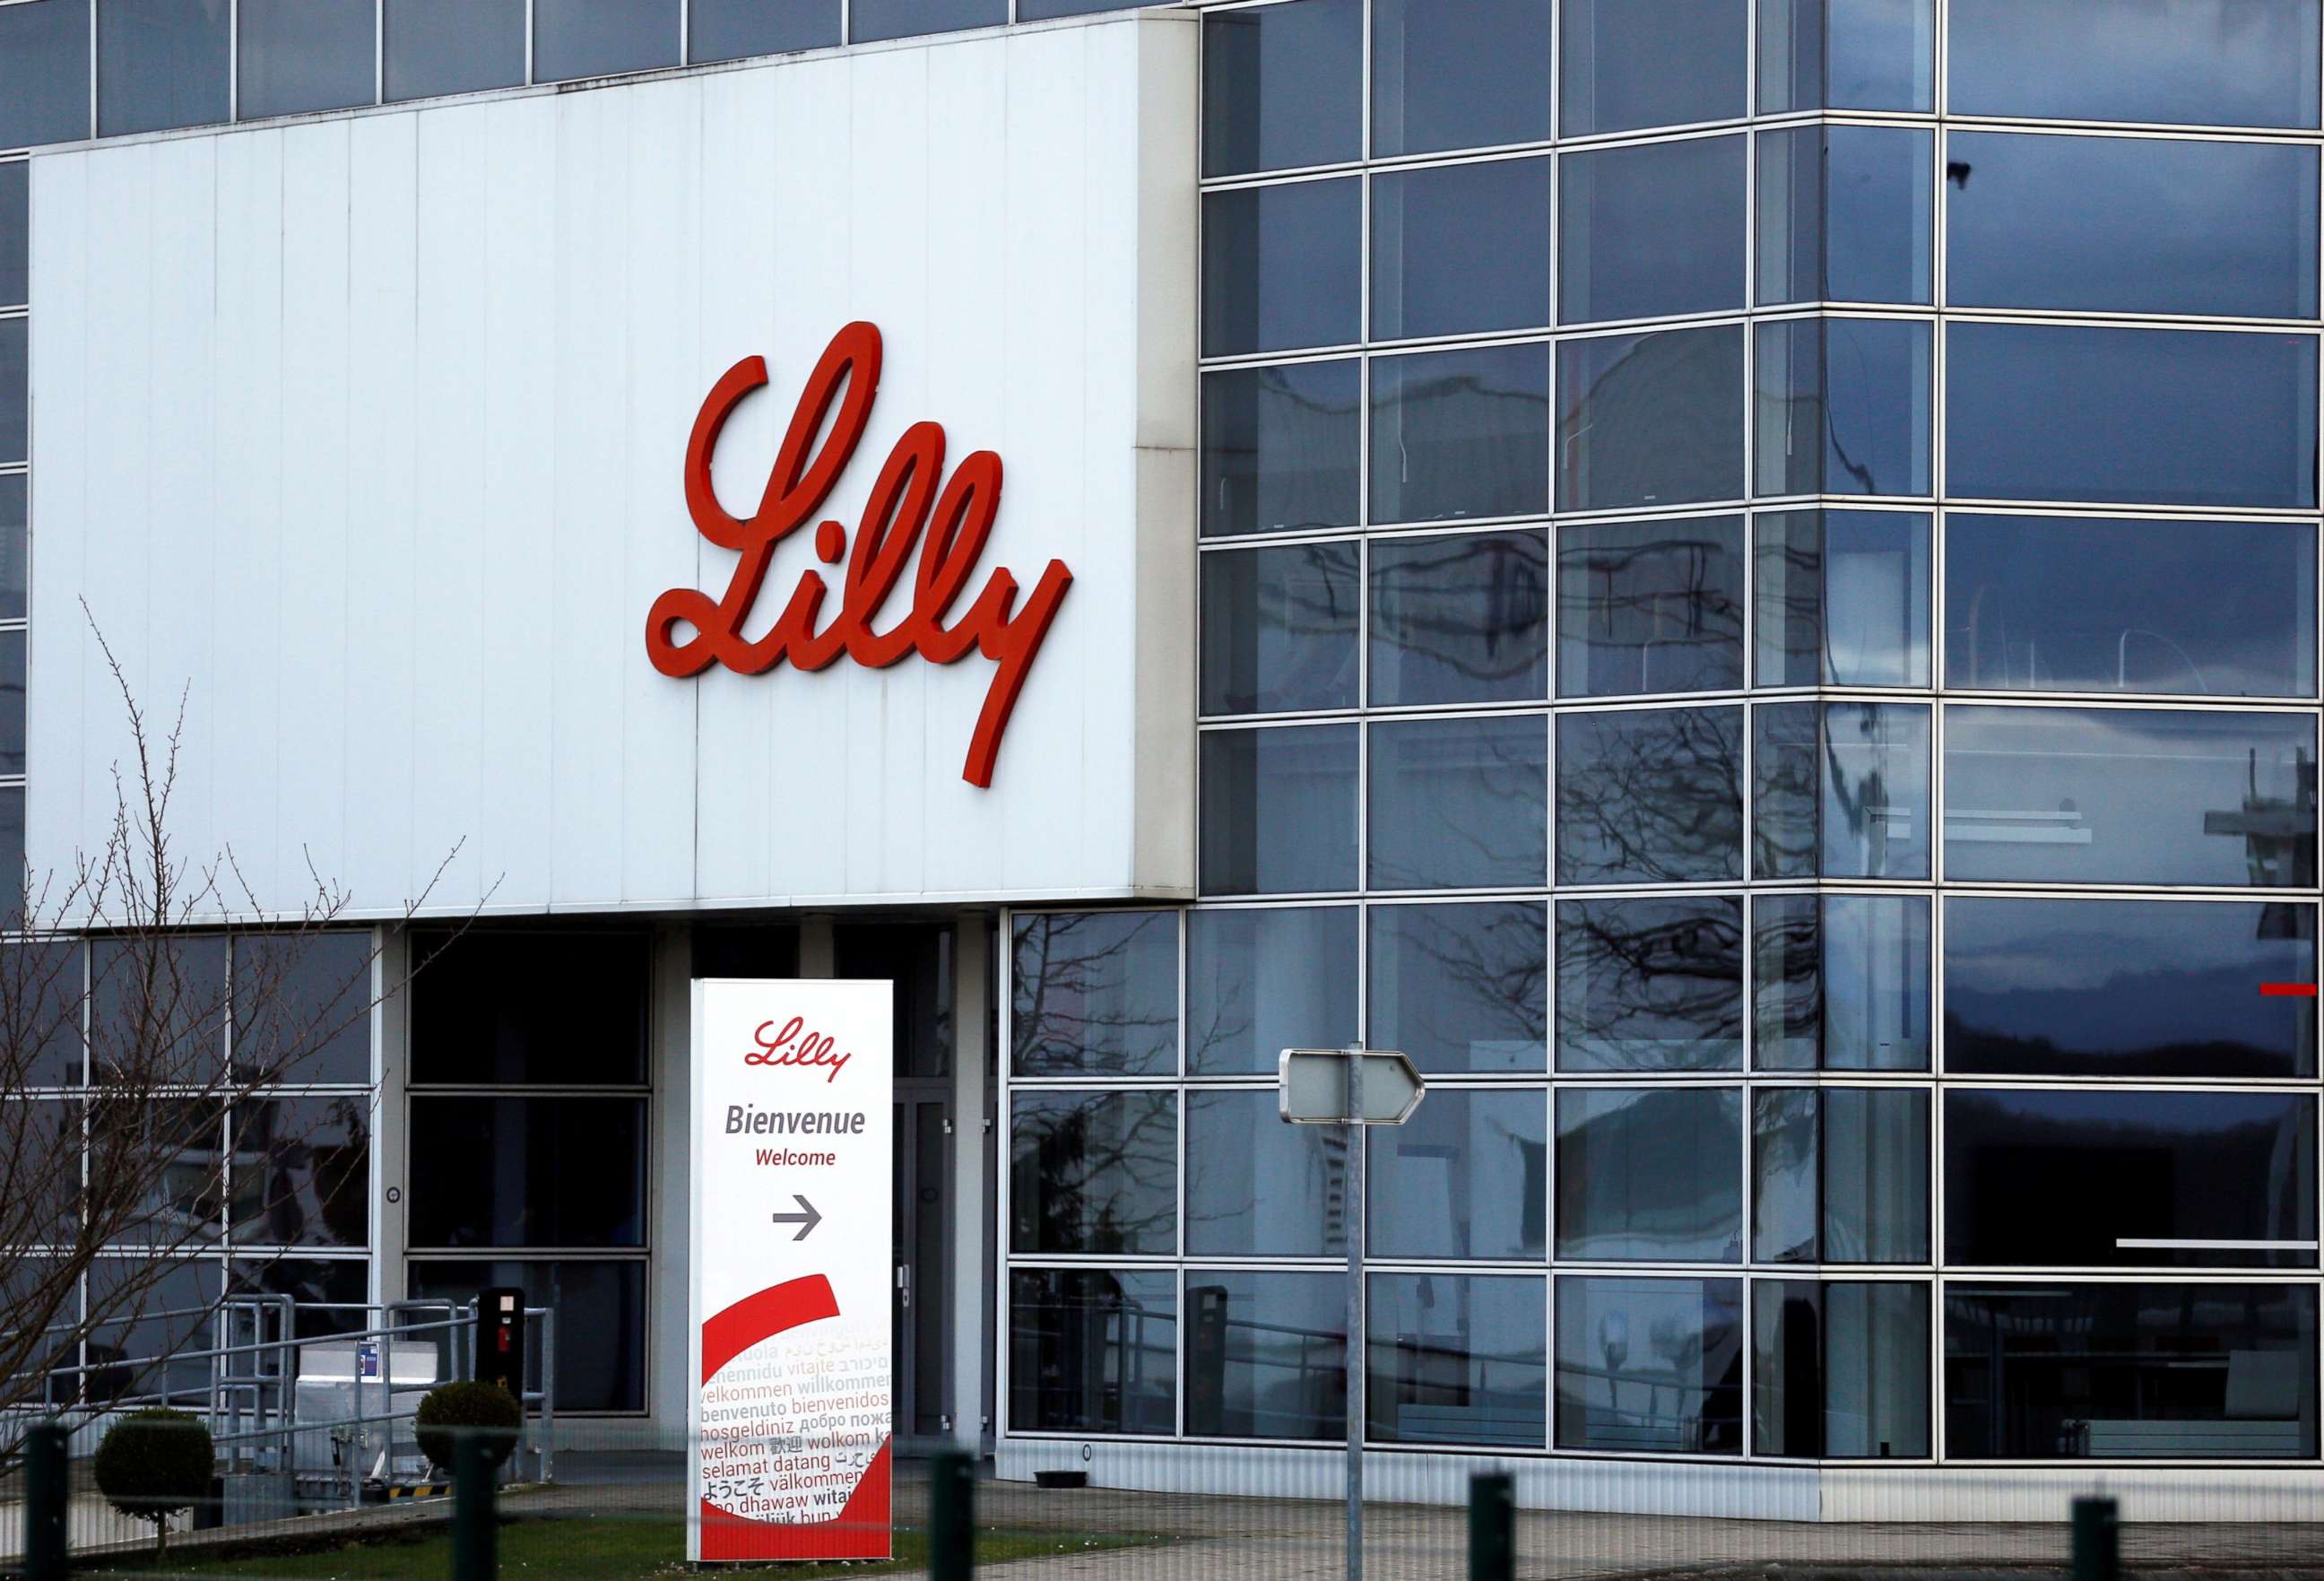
1355	1088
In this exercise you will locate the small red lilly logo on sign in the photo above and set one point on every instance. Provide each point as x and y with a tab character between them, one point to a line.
906	507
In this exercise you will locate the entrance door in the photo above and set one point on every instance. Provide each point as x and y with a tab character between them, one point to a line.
923	1182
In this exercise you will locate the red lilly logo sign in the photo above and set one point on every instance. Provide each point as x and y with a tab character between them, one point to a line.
906	506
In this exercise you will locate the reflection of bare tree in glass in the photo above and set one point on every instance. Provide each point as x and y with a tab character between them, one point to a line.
1650	797
1447	977
1655	607
1096	993
1649	983
1461	619
1094	1172
1452	800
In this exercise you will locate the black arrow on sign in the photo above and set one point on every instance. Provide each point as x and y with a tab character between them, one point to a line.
805	1221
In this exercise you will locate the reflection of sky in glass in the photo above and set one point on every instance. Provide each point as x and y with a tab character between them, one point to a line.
2201	62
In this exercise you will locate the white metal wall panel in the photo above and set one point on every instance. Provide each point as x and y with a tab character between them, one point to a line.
366	435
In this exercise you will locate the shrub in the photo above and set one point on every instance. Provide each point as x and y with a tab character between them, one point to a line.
154	1463
486	1409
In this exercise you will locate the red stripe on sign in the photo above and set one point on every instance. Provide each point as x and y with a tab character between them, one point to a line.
771	1311
2288	990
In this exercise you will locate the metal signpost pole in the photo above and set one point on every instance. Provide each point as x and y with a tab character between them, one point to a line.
1356	1346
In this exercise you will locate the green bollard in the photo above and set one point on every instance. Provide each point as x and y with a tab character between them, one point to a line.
952	1517
2098	1540
1492	1527
475	1530
46	1493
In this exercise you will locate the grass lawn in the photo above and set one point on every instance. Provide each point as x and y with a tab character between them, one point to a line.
587	1548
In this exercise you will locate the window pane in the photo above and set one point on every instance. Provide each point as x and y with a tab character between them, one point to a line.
161	63
2071	603
1843	598
16	389
2129	988
1842	1175
1278	811
41	996
46	1154
301	1172
298	55
1844	214
1650	1174
1650	983
156	1309
1651	230
2124	796
157	1007
1466	1176
2199	63
170	1156
1094	1172
12	702
1653	1365
1460	803
1258	1188
15	218
453	46
1650	796
1261	981
567	1009
2130	1372
1282	267
1461	433
1460	987
529	1173
601	1320
1650	606
1267	1353
1839	1371
1454	1359
1279	629
13	547
12	845
1843	407
1096	993
1650	419
900	19
333	1293
1623	65
1282	86
43	73
2130	1178
1093	1352
1460	248
1460	619
594	37
1042	10
1466	76
731	29
2043	411
1846	55
1280	449
1840	983
1841	790
302	1007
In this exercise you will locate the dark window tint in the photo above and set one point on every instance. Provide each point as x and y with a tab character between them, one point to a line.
1843	407
1495	276
1454	1359
172	1153
564	1009
1650	606
42	995
1651	230
1650	1174
1623	65
1261	981
2131	225
2070	604
1460	619
16	389
1842	1175
1258	1188
1650	796
298	55
2125	796
915	960
1094	1172
601	1320
1841	1371
1093	1351
11	843
1460	987
1844	214
302	1005
1279	629
529	1173
12	702
2199	63
1846	55
2130	1180
452	46
1466	76
1467	1176
161	63
1278	811
731	29
1096	993
2046	412
592	37
1840	983
1282	267
1650	983
157	1007
1840	790
1282	86
15	237
1267	1354
141	1314
1461	433
1650	1365
1280	449
43	73
898	19
1650	419
1460	803
301	1171
333	1294
1843	598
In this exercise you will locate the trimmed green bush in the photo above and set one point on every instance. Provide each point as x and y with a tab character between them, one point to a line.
487	1408
153	1464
